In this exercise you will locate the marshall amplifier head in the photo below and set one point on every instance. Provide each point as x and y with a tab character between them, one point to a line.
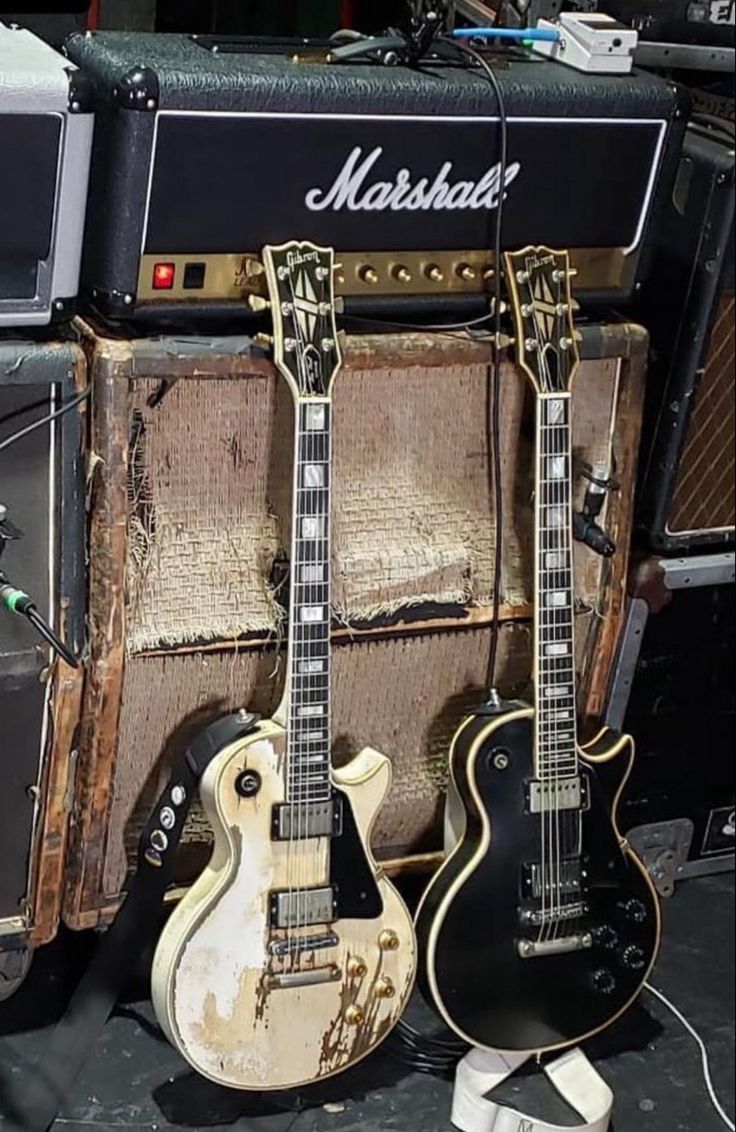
208	150
45	143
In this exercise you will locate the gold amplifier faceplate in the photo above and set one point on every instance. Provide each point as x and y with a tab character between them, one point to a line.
233	277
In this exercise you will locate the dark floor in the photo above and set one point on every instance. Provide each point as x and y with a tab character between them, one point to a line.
133	1079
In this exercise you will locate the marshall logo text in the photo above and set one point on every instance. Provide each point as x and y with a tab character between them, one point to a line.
352	190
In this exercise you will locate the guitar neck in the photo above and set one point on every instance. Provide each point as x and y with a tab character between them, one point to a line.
554	646
308	694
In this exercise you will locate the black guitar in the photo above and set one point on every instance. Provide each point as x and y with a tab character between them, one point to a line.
542	925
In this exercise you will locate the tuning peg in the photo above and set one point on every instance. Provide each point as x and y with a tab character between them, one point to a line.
258	304
339	306
264	340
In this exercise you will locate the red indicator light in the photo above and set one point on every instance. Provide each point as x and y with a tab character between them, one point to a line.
163	276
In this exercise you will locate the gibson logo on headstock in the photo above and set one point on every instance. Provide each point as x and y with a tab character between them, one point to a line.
403	194
296	258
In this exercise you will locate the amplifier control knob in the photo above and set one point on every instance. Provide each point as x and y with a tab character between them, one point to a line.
635	911
368	275
466	272
434	273
634	958
604	981
401	274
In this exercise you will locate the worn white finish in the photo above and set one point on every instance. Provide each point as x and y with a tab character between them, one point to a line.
209	991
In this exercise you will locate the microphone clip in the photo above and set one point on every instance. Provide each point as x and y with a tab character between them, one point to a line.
585	527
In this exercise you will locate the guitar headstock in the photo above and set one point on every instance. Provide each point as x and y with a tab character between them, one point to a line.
538	282
300	278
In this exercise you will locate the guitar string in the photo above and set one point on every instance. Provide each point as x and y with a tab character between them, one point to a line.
561	440
542	510
294	615
300	631
572	821
314	449
540	538
554	490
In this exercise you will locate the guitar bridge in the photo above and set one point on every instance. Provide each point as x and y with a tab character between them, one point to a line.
537	949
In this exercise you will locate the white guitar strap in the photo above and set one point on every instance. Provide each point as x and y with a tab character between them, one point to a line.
572	1075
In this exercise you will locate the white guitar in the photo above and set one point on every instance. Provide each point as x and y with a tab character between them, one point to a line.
292	957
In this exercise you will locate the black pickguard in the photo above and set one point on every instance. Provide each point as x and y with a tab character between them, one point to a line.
351	872
486	990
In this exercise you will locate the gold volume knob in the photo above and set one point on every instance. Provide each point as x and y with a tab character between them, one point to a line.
388	941
368	275
354	1016
434	272
385	989
357	969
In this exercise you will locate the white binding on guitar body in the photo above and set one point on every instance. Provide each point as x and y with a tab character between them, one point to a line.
210	967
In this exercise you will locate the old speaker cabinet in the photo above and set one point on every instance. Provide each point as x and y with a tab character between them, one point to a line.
191	470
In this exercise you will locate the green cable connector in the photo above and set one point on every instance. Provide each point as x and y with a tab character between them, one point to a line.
12	598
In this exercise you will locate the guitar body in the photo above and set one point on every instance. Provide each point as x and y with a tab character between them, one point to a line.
213	976
470	924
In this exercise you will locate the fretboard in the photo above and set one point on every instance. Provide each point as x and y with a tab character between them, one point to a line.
556	730
308	769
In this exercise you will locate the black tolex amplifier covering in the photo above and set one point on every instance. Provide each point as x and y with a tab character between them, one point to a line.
206	150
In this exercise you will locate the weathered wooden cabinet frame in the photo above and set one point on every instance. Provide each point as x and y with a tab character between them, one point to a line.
115	364
42	363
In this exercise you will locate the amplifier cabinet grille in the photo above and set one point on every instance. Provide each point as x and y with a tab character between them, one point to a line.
413	539
41	484
687	496
705	493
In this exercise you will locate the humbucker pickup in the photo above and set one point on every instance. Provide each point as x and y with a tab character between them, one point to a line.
303	907
552	881
557	794
300	821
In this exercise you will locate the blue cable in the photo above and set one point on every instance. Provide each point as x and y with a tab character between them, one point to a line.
551	35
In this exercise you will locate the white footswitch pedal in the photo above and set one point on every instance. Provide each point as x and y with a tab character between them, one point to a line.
590	42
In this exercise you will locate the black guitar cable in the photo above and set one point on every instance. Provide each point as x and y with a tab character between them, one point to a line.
495	415
422	1052
60	412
